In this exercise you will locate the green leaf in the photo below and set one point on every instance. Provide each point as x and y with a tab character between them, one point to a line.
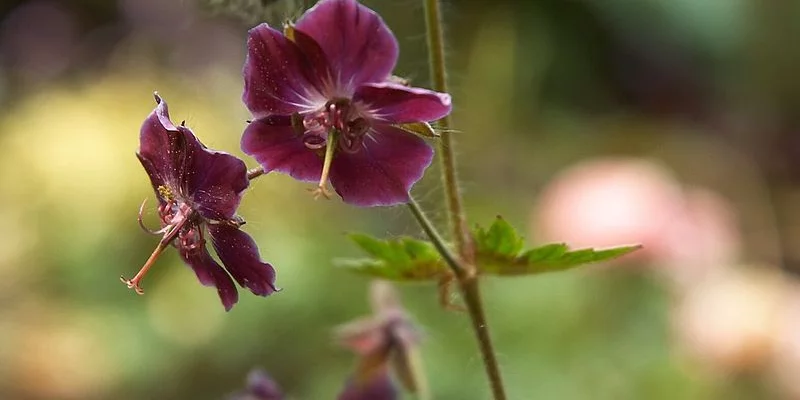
500	240
401	259
499	252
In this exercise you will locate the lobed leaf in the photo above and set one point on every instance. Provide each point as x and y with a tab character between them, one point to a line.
499	252
401	259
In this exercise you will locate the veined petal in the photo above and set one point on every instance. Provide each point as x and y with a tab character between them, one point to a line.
238	252
211	274
398	104
277	147
318	63
277	78
158	138
214	180
384	170
359	46
173	156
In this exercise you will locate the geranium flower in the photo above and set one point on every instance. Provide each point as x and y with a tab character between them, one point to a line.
327	107
388	341
198	191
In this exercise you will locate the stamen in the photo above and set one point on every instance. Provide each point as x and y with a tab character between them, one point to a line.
141	222
165	192
322	189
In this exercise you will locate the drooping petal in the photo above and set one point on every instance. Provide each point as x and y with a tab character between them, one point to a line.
238	252
277	147
158	139
383	171
359	45
398	104
277	78
214	180
173	156
211	274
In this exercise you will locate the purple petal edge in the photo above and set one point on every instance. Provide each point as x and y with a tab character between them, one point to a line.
383	171
239	254
399	104
209	273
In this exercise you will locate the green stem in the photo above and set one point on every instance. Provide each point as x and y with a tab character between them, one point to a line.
447	160
449	258
470	291
467	279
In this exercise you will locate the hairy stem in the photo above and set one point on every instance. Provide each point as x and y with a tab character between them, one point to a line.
470	291
462	266
450	259
447	160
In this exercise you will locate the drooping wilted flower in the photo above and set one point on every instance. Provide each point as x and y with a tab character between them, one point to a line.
198	191
385	342
327	107
260	386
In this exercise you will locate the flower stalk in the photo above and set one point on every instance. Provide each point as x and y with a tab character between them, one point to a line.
465	275
447	160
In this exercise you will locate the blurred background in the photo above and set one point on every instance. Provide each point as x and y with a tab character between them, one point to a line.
672	123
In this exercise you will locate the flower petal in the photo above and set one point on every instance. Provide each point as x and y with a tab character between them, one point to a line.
158	138
173	156
277	78
277	147
238	252
214	180
359	45
398	104
384	170
211	274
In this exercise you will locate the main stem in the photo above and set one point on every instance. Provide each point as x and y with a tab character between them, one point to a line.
447	160
464	272
468	284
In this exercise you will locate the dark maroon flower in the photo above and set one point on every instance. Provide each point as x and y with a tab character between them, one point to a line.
387	341
198	191
326	106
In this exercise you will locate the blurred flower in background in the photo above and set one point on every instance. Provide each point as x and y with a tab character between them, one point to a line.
260	386
387	343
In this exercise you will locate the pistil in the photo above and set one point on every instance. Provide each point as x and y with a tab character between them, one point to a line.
170	232
322	188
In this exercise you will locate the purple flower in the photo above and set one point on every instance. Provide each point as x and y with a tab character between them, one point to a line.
260	386
198	191
326	106
386	341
